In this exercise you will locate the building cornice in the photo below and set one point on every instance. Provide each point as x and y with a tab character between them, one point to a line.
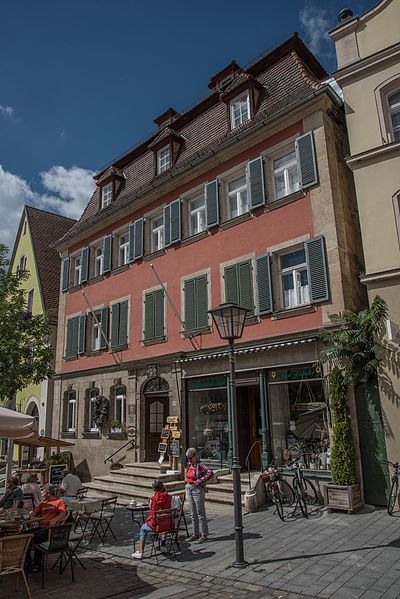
380	276
360	68
374	155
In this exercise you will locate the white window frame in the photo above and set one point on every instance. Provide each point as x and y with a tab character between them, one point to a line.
120	398
71	405
77	270
157	233
197	214
94	393
285	170
98	251
163	159
107	194
123	249
296	275
236	196
392	110
96	331
240	109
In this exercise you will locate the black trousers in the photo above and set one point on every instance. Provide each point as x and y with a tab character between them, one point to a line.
40	537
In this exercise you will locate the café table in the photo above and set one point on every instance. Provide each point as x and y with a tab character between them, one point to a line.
135	510
84	508
16	523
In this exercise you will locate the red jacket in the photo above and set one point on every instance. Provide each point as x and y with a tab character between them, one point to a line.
161	500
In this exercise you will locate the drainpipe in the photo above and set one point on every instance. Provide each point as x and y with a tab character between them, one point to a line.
228	392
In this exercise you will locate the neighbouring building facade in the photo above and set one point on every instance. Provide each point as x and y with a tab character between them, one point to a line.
368	53
246	198
32	252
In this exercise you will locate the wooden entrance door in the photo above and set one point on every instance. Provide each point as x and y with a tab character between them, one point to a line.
155	417
248	406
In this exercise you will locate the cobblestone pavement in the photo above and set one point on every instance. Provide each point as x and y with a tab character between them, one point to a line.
337	555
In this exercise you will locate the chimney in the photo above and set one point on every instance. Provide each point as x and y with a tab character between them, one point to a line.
345	15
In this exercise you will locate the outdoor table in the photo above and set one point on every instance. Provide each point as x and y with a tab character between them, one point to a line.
136	524
16	522
85	507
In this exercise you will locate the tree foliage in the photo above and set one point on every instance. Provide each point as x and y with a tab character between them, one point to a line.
25	354
343	456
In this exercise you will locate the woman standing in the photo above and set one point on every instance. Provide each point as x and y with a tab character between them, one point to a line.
196	476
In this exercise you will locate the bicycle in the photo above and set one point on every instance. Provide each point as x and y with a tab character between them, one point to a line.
280	492
394	487
304	490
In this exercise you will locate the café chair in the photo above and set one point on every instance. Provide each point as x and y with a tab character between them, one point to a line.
81	493
57	543
180	516
12	557
101	520
165	529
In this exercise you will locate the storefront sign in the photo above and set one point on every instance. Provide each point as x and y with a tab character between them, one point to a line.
173	419
56	473
176	434
206	382
295	374
174	448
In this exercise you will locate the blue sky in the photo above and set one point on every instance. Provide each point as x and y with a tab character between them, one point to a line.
82	81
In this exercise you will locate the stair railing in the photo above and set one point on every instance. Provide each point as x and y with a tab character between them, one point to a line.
247	460
109	458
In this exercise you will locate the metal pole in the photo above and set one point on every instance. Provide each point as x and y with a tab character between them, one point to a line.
237	494
264	420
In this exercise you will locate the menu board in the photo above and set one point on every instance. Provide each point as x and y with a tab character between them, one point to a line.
56	473
173	448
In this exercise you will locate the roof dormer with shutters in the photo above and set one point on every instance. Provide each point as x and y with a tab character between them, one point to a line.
167	144
110	185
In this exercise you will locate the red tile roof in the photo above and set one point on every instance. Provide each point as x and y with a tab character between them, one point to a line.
45	228
287	74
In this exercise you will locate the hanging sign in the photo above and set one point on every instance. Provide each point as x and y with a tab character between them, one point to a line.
165	433
162	447
176	434
173	419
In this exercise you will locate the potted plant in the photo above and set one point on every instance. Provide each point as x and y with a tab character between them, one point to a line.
116	426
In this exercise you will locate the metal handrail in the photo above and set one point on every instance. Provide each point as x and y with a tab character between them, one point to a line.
110	457
247	460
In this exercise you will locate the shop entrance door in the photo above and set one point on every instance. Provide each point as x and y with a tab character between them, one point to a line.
248	409
155	417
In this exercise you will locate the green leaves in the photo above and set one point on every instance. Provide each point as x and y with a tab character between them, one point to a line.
25	354
343	456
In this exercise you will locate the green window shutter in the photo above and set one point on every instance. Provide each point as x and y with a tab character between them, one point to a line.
65	276
306	161
139	230
149	316
202	302
317	269
107	252
190	304
167	225
115	325
81	333
255	183
212	204
175	221
69	342
231	284
264	287
131	242
104	327
246	287
123	323
159	313
84	264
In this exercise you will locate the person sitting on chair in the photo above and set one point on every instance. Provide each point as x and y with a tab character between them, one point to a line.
161	500
70	485
52	512
13	493
31	487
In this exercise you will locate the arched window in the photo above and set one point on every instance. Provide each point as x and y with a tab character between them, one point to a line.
71	411
120	404
387	97
93	395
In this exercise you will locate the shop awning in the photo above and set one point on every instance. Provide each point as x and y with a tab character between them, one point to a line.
248	350
42	442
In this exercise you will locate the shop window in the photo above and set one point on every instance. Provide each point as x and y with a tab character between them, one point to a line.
294	277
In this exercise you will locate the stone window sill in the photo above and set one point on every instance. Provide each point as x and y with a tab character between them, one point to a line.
194	333
119	269
297	311
117	436
70	358
154	255
68	435
274	204
147	342
95	280
91	435
119	348
236	221
194	238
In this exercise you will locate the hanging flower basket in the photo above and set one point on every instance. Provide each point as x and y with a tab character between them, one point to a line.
101	409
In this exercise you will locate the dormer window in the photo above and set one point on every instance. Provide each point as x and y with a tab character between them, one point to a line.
163	159
240	110
107	194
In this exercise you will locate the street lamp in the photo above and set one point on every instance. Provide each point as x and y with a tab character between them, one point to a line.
229	320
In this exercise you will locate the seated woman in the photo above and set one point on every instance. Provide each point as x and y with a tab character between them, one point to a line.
13	497
161	500
31	487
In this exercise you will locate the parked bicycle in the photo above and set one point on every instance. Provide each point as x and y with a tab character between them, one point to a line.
279	491
304	490
394	487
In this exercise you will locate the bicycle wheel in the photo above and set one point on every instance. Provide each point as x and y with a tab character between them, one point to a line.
309	492
276	496
286	492
394	491
300	498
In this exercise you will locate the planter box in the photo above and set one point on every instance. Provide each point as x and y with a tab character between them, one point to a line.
347	499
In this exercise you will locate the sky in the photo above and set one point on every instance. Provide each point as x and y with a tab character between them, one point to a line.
82	81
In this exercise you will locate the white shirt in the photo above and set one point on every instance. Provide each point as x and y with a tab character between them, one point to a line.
71	485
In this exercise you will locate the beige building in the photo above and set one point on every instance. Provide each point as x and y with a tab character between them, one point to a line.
368	54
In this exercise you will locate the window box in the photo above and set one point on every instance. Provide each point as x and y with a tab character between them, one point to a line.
68	434
91	435
117	436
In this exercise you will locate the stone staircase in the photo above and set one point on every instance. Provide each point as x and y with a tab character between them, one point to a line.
134	481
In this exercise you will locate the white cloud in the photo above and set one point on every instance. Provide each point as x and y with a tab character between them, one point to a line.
70	190
74	187
315	22
7	111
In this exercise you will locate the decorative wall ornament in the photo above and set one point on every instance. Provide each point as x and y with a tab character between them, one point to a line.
156	384
152	371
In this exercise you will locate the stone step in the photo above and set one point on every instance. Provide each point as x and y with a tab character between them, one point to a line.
141	475
149	467
224	488
126	484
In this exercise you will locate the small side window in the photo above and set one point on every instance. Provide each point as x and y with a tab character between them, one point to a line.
163	159
240	110
106	195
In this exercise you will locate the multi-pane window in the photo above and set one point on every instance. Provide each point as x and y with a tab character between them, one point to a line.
156	416
119	405
77	270
237	197
98	261
197	215
294	277
96	331
286	176
106	195
94	393
157	233
123	249
163	159
394	114
71	411
240	110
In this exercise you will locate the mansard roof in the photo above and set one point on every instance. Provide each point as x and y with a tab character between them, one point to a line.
285	75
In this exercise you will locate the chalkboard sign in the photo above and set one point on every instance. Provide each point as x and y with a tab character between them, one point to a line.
162	447
56	473
173	448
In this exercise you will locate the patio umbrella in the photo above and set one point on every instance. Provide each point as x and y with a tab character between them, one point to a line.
14	425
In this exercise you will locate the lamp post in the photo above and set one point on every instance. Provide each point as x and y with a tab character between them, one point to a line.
229	320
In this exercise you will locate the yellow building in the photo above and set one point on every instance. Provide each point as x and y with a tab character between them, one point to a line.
32	252
368	55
